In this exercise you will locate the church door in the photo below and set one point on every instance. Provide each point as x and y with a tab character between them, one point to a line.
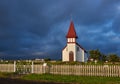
71	56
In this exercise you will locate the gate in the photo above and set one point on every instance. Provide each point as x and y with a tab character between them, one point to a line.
23	67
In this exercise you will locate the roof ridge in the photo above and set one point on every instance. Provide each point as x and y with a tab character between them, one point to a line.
81	47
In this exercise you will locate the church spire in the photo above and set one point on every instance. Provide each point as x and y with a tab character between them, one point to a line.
71	32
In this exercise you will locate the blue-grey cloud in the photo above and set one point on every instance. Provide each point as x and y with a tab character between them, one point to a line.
31	29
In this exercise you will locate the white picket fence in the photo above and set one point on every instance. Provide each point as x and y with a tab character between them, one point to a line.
6	67
86	70
81	70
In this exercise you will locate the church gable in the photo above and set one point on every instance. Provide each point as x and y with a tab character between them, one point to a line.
78	48
81	47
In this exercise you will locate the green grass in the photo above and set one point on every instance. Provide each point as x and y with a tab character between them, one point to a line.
5	74
72	79
65	78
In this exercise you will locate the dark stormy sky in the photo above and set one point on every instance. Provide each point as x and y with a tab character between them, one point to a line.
37	28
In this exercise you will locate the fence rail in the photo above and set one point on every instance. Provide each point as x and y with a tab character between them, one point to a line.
6	67
86	70
82	70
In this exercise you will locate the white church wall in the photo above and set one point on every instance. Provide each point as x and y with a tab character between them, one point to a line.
79	54
65	52
83	53
86	57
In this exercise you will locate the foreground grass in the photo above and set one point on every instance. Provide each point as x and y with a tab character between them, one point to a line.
72	79
5	74
65	79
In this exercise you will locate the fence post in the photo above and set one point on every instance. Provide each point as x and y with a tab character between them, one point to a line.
32	67
14	66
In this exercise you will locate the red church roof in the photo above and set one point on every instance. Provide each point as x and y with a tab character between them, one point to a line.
71	32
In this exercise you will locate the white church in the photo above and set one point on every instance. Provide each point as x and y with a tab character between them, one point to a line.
73	51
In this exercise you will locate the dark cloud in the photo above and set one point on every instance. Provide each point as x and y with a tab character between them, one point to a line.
31	29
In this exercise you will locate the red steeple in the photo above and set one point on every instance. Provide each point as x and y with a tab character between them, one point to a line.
71	32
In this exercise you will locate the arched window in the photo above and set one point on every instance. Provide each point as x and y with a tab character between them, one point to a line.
71	56
77	48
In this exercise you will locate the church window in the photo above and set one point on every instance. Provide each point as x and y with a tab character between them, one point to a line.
77	48
70	39
73	40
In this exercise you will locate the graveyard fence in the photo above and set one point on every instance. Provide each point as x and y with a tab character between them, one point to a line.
81	70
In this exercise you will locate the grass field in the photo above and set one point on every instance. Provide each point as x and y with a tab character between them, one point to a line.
64	78
72	79
5	75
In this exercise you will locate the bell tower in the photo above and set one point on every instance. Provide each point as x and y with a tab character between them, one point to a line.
71	35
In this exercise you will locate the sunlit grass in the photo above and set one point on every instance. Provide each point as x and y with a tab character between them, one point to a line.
72	79
66	79
5	74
